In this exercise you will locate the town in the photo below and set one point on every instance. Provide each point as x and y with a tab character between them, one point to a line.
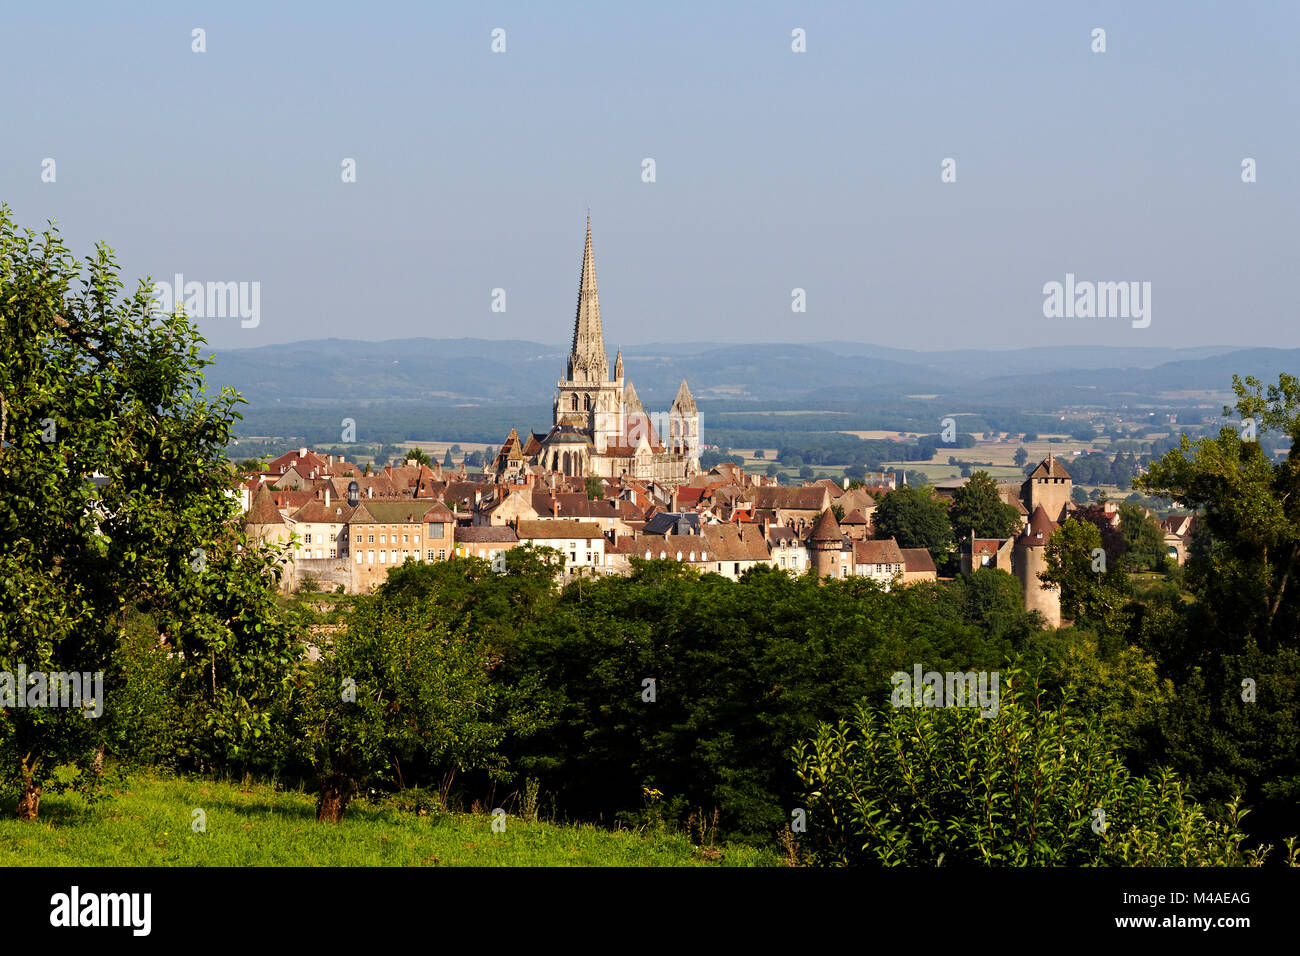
609	484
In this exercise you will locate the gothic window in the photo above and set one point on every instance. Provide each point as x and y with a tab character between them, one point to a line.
586	403
575	401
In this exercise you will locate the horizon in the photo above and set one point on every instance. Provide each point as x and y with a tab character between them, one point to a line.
775	169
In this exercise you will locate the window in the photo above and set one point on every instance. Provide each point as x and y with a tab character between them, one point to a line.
371	559
372	539
417	540
358	557
334	552
442	554
435	529
406	538
383	539
383	557
430	555
306	539
358	539
575	401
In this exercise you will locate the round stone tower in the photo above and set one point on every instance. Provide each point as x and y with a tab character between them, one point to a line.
1028	559
825	541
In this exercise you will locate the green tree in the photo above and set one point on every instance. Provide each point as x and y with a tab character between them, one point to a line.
446	460
595	488
1029	786
419	456
1091	586
1232	652
117	493
976	506
1021	457
397	689
1143	538
916	519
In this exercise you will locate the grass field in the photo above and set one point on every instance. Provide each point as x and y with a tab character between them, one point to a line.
147	821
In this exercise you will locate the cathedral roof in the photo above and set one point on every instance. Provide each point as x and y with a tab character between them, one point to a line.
684	402
588	352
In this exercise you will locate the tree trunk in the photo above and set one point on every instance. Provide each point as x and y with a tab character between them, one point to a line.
29	804
336	792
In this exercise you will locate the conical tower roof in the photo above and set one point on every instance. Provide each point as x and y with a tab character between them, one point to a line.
1040	529
587	358
684	402
263	510
826	528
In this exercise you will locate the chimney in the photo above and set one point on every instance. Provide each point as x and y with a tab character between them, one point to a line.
327	496
302	452
370	491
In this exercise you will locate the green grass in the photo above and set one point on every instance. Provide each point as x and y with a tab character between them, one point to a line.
146	821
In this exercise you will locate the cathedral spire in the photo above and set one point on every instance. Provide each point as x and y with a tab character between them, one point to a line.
587	359
618	364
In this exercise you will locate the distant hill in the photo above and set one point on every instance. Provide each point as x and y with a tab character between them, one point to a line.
330	373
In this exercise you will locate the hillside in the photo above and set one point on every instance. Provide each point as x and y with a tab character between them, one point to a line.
146	821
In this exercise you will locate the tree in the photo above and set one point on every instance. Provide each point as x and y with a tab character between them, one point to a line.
595	488
117	494
419	456
446	460
1233	651
759	453
1250	507
1091	586
931	786
915	518
1021	457
397	688
977	506
1143	538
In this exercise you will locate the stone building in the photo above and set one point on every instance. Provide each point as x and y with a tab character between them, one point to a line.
1029	559
600	426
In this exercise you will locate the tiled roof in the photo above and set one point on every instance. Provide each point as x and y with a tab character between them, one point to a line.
877	552
917	559
1050	467
374	511
1039	530
338	512
726	542
791	499
487	534
559	529
263	510
826	528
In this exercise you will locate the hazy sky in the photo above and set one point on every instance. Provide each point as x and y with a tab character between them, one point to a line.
774	169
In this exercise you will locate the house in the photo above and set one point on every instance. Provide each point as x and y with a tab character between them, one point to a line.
879	560
581	542
918	565
384	533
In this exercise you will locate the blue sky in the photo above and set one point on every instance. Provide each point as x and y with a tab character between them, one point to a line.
774	170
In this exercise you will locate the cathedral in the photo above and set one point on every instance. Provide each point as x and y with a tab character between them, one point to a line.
600	426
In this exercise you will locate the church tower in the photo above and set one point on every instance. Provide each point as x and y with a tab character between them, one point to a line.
588	399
